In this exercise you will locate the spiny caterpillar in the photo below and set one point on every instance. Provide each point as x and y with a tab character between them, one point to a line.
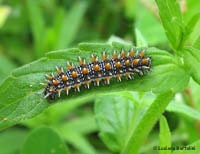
97	71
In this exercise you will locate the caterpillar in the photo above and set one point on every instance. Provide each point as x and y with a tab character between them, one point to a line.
120	65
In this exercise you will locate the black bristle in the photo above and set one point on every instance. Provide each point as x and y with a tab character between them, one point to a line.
115	70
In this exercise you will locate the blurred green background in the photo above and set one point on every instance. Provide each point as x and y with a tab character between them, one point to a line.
29	28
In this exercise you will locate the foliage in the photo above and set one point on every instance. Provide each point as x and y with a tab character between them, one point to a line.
39	137
125	114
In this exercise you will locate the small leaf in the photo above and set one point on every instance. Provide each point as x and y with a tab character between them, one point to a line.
165	135
192	62
171	18
142	129
114	114
118	42
44	140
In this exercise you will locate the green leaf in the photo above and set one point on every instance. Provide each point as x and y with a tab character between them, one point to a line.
21	94
71	24
95	47
14	137
192	62
55	113
164	66
193	148
114	114
27	100
124	119
142	129
192	30
171	18
183	109
119	42
165	135
44	140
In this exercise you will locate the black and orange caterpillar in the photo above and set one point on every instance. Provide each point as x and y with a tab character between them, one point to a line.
97	71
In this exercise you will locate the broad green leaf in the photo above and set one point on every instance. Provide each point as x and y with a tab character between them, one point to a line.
14	137
27	99
71	24
165	135
171	18
192	62
44	140
166	73
140	132
21	93
193	148
114	114
55	113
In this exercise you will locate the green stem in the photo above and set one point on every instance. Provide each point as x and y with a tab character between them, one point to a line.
139	134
